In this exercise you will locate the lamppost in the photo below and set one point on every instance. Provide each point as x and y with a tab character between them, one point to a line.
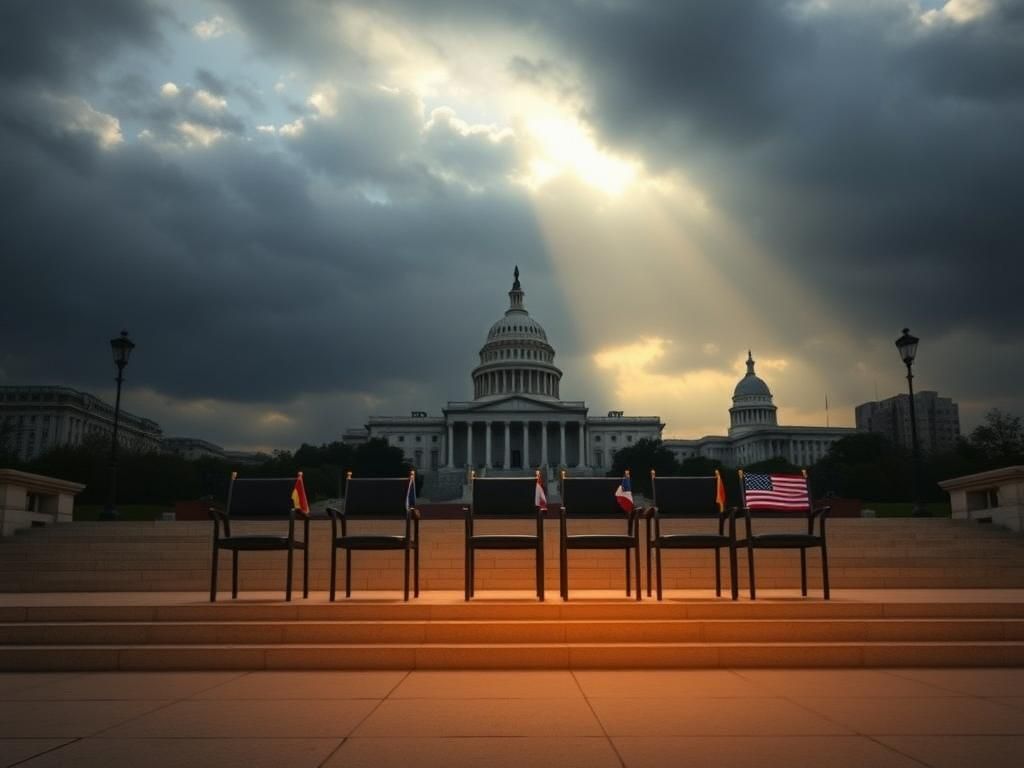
907	346
122	348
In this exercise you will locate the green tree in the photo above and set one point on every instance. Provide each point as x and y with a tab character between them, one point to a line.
640	458
865	466
999	441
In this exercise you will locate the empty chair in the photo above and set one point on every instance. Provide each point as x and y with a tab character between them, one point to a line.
505	498
783	495
262	499
594	498
689	497
377	498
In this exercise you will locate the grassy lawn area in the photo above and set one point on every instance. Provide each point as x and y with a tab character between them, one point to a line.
903	508
124	511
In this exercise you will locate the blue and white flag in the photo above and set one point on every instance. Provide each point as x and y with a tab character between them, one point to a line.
624	494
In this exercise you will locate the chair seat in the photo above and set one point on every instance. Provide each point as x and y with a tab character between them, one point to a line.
599	541
503	541
692	541
258	542
781	541
366	541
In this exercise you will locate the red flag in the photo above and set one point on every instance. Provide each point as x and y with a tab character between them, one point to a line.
540	499
299	500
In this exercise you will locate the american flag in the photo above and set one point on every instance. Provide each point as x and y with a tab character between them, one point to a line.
775	491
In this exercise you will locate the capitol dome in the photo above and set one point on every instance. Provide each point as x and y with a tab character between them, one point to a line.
752	404
516	358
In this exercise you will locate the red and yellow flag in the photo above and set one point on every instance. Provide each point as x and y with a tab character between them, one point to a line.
720	492
299	500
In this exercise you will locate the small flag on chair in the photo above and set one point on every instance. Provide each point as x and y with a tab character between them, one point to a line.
720	492
776	491
624	494
540	499
299	500
410	494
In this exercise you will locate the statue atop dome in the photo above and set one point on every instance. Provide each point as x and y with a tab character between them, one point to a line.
515	283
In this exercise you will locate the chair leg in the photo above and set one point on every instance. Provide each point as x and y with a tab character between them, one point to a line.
305	570
540	570
234	574
647	526
657	557
718	572
334	569
416	561
824	569
636	563
467	568
750	571
288	579
348	572
629	590
563	570
213	573
405	590
732	574
803	572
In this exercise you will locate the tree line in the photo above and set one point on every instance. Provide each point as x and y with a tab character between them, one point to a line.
153	477
866	465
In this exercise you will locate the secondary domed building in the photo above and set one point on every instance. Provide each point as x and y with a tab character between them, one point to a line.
755	434
516	420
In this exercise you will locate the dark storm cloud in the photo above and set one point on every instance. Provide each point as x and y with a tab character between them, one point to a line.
242	278
51	43
869	153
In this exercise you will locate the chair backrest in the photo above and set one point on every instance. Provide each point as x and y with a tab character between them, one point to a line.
376	497
776	492
260	498
591	497
504	497
685	496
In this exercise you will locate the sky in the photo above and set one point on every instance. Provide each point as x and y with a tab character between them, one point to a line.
308	213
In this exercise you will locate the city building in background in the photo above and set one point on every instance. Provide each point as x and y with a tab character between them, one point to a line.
34	419
755	434
938	420
517	419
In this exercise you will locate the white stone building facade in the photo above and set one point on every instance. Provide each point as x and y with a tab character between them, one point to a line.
755	434
34	419
516	420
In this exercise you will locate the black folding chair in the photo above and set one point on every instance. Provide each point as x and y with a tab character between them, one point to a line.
503	498
783	495
376	498
261	499
690	497
588	498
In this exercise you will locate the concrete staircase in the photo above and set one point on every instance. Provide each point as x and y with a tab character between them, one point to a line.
442	632
175	556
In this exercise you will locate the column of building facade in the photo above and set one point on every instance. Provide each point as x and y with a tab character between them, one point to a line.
506	459
561	444
487	449
583	452
526	445
469	444
451	443
544	444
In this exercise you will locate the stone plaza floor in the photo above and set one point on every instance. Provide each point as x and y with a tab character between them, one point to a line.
565	718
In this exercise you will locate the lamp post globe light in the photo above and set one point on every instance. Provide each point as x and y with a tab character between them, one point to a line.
121	347
907	346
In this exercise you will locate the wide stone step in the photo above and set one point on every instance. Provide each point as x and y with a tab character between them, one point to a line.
512	656
510	632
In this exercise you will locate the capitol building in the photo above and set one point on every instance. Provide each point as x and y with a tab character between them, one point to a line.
517	420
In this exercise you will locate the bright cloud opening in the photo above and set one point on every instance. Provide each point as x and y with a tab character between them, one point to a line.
210	29
565	145
169	90
210	101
